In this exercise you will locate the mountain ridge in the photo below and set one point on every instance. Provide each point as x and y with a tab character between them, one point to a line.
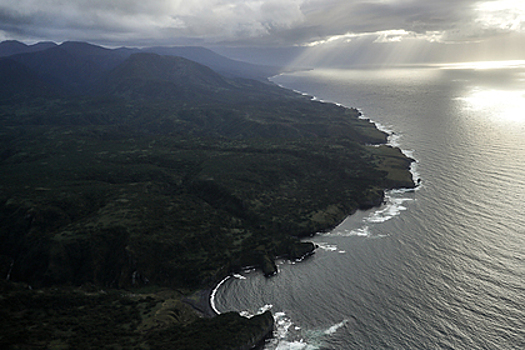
13	47
221	64
145	178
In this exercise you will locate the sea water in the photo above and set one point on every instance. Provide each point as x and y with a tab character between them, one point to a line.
441	267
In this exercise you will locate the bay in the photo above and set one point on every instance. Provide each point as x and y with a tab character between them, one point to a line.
442	267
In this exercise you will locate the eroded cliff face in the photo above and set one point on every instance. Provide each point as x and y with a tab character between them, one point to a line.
176	212
39	247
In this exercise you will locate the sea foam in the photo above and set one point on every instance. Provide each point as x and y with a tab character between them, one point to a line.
286	339
393	207
335	327
214	292
362	231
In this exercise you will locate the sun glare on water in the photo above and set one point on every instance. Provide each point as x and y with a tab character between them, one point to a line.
500	104
482	65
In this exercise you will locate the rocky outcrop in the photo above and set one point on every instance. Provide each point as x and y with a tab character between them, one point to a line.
265	325
301	250
372	198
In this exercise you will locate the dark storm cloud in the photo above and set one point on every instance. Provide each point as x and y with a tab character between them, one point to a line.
257	22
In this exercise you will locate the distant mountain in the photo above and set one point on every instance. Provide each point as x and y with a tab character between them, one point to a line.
223	65
160	94
279	56
76	66
106	59
13	47
79	68
73	67
148	75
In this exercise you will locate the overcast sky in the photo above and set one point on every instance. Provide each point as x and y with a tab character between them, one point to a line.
318	24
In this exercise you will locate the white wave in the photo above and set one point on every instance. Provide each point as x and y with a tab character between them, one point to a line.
264	308
282	325
379	236
362	231
246	313
408	152
327	247
238	276
295	345
383	128
214	292
335	327
288	336
308	340
393	140
416	176
393	207
414	166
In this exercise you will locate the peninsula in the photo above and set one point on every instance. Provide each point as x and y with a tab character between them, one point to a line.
131	180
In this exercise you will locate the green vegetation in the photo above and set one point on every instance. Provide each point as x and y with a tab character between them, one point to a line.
150	183
182	208
91	318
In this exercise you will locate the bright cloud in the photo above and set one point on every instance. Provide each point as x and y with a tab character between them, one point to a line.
272	22
502	15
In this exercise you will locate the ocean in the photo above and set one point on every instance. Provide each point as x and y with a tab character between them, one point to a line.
440	267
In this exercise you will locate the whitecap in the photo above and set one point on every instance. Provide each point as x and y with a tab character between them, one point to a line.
393	140
238	276
362	231
295	345
282	325
246	313
335	327
327	247
288	336
387	130
264	308
394	206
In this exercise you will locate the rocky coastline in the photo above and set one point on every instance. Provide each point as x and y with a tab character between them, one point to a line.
130	200
201	300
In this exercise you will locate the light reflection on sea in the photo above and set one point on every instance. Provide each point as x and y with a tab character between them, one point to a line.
442	267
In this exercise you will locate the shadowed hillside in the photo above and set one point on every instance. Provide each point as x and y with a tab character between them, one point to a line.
159	176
